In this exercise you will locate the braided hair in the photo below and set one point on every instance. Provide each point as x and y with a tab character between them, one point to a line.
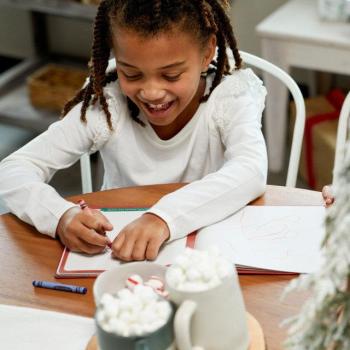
148	18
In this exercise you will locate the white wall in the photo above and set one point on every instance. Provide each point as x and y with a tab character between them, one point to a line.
66	36
245	15
15	34
69	36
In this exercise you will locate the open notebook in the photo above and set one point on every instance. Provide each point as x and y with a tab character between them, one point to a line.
258	239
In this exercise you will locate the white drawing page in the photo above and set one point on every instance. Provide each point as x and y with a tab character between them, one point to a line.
280	238
104	261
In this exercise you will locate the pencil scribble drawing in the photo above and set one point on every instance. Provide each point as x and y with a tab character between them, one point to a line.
269	228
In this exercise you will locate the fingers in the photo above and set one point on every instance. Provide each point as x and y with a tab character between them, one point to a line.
136	248
123	248
327	195
153	249
92	237
75	244
94	222
78	237
141	239
127	248
98	224
105	224
326	192
84	247
118	242
81	233
139	250
329	201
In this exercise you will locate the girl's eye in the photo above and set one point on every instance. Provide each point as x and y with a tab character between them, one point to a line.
172	77
132	76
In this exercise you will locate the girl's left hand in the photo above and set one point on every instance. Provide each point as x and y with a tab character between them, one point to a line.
327	194
141	239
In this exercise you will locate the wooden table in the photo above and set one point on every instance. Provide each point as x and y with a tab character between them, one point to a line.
295	36
27	255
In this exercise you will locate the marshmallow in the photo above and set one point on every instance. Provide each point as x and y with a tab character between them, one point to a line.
155	283
133	281
182	261
162	309
193	274
106	299
176	275
112	308
196	270
135	310
145	293
125	294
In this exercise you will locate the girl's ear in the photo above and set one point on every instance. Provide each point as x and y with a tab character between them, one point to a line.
209	52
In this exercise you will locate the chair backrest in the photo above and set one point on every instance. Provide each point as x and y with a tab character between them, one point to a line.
286	79
342	133
297	140
85	170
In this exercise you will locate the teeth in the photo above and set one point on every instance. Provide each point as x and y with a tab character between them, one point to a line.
160	106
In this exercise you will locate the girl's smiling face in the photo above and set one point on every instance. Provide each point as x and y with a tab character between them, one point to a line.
161	75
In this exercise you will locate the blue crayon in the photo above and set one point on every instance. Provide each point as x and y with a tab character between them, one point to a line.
60	286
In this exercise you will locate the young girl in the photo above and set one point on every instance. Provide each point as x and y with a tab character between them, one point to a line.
165	113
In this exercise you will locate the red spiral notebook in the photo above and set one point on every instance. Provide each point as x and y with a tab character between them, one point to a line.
73	265
257	239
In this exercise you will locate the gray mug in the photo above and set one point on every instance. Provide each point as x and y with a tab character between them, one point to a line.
161	339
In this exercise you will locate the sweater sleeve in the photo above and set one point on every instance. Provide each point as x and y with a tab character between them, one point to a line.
242	177
24	174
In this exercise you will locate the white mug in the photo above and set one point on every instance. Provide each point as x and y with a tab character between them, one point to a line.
213	319
111	282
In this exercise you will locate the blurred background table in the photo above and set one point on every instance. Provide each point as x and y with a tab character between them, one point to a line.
295	36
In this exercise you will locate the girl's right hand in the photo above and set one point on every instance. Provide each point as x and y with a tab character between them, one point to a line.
327	195
84	230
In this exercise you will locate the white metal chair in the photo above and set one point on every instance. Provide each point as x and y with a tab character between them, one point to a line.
342	134
85	169
286	79
297	140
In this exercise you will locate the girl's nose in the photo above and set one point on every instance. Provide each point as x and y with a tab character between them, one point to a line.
152	94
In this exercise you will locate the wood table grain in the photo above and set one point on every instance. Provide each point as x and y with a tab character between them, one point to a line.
27	255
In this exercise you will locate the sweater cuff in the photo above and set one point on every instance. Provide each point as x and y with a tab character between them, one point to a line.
57	213
170	222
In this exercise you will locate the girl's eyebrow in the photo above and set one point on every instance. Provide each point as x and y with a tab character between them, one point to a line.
172	65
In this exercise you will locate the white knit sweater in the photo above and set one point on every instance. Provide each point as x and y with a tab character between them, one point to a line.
221	153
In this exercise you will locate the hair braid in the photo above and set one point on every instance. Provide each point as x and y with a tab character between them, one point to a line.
86	100
97	67
209	18
74	101
100	57
225	3
220	64
157	8
212	16
225	25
